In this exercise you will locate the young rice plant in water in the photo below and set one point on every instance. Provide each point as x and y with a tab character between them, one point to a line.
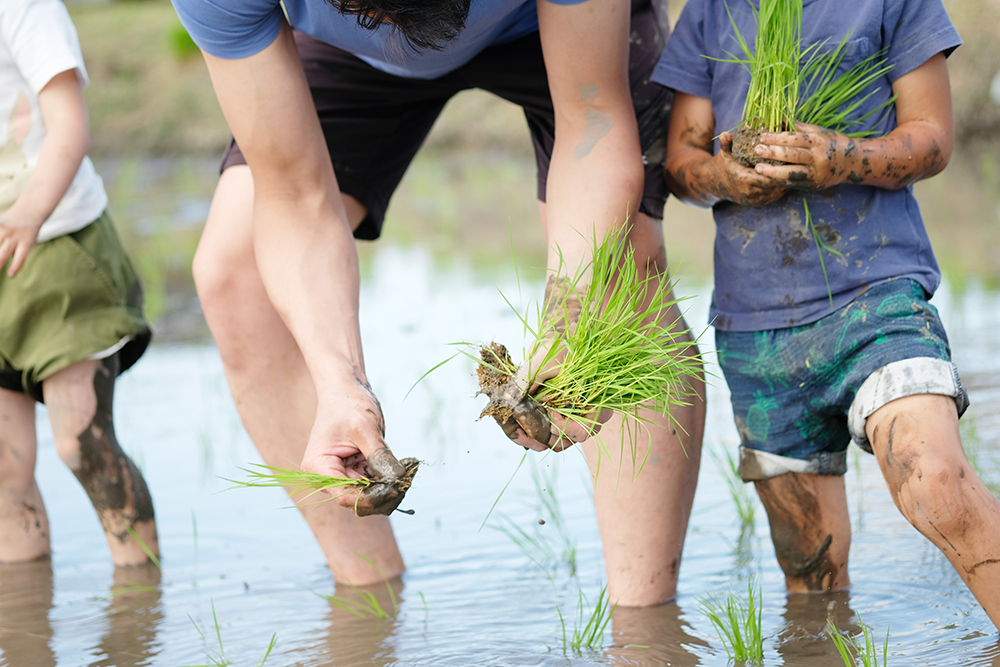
853	652
588	630
607	329
738	623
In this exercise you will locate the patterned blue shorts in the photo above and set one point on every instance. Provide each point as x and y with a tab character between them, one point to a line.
800	394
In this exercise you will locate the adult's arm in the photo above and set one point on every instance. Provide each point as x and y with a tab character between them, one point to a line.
701	177
919	147
63	149
595	179
304	247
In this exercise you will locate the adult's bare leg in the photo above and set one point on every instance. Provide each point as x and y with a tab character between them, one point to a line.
643	517
810	529
268	378
916	440
79	400
24	525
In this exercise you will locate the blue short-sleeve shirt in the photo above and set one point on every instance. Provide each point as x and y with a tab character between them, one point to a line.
768	273
241	28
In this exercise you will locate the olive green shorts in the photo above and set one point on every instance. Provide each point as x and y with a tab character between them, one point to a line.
77	297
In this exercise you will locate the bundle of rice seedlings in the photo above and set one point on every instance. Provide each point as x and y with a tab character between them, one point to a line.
853	652
738	623
604	330
789	84
309	484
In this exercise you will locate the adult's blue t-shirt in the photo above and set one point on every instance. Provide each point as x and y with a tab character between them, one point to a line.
240	28
768	273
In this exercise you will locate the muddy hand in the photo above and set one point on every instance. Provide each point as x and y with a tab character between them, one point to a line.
530	418
390	481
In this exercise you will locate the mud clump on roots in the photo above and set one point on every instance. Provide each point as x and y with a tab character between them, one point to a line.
496	383
745	140
405	481
508	405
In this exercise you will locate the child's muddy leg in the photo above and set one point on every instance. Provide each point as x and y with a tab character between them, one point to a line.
810	529
24	526
919	450
79	400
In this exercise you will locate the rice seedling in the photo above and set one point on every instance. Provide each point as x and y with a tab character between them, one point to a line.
307	484
853	652
738	624
745	506
538	544
217	657
365	604
790	84
142	545
605	331
984	460
589	626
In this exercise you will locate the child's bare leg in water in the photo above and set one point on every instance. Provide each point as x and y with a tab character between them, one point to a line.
79	400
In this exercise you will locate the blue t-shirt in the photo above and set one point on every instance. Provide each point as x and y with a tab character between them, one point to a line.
241	28
767	270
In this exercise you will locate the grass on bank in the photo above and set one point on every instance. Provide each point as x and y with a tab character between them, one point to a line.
738	623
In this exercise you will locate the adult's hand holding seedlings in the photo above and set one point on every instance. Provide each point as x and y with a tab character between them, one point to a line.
349	441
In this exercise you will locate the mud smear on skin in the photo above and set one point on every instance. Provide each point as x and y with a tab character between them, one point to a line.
112	482
804	555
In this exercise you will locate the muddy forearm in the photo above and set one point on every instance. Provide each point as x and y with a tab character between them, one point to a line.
906	155
692	176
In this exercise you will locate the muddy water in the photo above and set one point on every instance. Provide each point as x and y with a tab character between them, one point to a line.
239	567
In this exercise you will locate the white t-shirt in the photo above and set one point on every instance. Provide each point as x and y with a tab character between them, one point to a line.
37	42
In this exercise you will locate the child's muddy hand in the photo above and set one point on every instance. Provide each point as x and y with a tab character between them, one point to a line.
816	157
741	185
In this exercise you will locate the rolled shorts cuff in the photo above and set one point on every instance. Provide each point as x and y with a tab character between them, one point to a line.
907	377
759	465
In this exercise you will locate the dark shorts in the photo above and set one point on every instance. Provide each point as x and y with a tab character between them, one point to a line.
375	122
801	394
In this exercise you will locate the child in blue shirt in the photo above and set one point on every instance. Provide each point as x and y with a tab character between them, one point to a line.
815	355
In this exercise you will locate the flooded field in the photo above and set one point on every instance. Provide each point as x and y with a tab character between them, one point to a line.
240	568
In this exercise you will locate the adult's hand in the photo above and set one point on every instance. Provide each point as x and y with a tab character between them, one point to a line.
349	442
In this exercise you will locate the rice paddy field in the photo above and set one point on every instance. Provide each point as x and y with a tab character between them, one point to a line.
498	575
242	581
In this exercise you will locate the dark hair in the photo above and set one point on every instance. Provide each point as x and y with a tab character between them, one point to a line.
424	24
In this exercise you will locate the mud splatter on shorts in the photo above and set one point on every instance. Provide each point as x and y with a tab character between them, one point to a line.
794	390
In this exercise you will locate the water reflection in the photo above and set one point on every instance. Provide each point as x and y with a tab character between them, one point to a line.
134	614
653	636
25	602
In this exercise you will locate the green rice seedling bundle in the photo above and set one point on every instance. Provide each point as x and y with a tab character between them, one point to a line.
738	623
606	331
307	484
853	652
789	84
